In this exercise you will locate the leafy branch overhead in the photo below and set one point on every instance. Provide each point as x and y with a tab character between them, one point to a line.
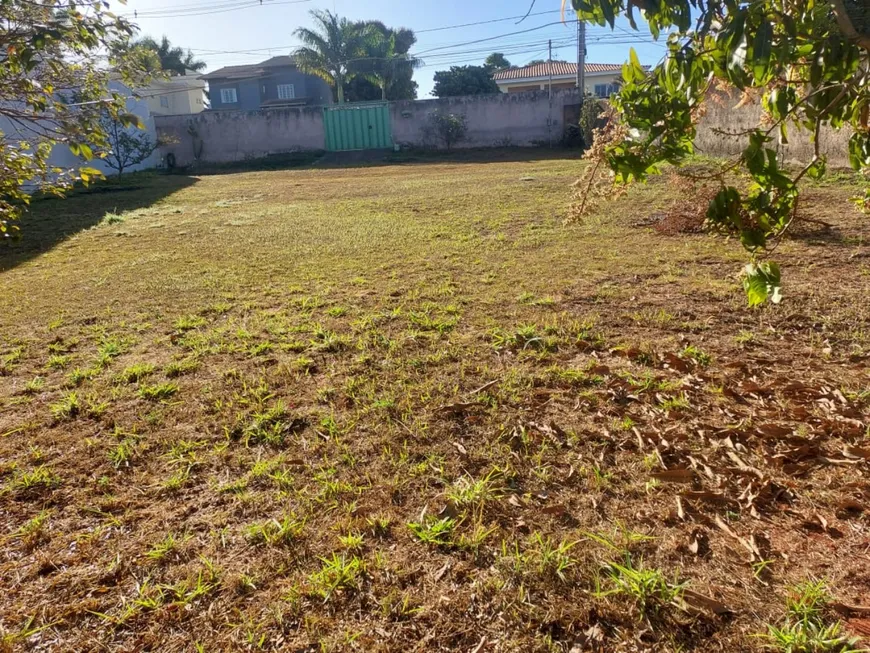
54	89
807	60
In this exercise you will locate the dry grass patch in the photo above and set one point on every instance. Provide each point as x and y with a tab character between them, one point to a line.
406	406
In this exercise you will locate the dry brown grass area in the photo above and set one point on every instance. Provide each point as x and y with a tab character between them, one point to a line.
405	408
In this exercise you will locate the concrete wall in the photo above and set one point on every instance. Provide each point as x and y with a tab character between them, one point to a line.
225	136
502	119
515	119
723	114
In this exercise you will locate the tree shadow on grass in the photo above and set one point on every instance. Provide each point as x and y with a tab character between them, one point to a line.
51	220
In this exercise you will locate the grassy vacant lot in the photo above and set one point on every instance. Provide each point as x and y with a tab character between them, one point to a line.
405	408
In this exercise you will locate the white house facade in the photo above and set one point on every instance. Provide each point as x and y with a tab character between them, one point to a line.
602	79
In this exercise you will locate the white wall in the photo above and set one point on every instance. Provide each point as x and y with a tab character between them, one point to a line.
61	157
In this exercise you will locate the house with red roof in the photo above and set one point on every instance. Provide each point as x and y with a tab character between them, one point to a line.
602	79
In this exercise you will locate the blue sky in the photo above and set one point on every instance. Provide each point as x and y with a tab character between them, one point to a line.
228	32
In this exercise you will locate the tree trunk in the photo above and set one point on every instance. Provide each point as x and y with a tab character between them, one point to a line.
847	25
339	88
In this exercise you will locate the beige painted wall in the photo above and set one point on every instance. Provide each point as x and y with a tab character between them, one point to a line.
177	97
722	114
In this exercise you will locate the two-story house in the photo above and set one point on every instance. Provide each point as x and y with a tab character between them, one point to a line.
178	94
275	82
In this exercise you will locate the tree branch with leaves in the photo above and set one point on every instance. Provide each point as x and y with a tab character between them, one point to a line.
54	89
808	62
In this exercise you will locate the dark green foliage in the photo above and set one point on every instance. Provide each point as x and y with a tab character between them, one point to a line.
173	60
387	65
497	61
363	60
464	80
449	128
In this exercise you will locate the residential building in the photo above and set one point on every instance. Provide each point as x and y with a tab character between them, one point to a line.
276	82
176	95
602	79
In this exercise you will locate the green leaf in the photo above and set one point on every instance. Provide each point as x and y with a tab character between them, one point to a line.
724	207
859	151
635	62
607	9
761	48
817	169
752	239
761	282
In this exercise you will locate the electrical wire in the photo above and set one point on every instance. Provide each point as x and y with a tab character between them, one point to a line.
216	9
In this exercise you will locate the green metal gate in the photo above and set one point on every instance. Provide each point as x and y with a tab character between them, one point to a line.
357	127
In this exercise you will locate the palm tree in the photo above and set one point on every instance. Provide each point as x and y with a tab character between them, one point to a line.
387	56
331	50
173	60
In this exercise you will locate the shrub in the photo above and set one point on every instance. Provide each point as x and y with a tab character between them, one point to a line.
449	128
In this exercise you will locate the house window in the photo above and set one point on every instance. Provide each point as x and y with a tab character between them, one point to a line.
606	90
228	96
164	101
286	92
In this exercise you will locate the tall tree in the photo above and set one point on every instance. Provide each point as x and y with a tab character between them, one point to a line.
497	61
807	60
54	89
387	62
332	49
173	59
464	80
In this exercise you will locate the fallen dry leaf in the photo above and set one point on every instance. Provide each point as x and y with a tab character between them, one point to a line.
715	498
455	409
674	475
857	452
749	544
556	509
705	603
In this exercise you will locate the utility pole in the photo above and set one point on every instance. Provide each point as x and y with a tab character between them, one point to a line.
550	91
581	57
550	68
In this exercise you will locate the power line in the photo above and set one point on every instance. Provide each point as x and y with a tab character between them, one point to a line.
483	22
495	38
216	9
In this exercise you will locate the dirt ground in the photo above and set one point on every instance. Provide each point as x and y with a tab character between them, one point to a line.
406	407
